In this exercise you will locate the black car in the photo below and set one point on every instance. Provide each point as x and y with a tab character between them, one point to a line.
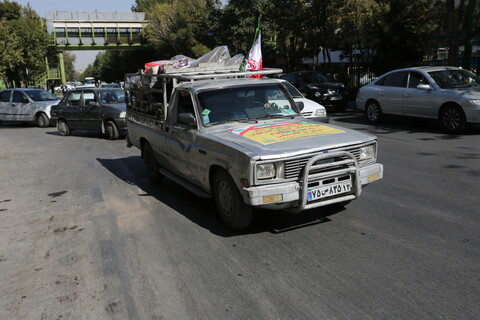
95	109
319	87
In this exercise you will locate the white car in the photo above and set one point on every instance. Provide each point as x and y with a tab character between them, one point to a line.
27	105
311	109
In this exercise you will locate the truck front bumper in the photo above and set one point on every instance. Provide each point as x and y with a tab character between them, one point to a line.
293	195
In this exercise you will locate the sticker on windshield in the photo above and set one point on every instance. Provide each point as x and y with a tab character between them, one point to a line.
284	131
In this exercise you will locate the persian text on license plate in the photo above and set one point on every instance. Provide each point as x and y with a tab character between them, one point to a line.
329	190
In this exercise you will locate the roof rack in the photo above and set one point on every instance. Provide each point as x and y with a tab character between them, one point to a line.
144	85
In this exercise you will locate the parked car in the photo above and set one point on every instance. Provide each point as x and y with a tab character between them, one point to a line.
449	94
95	109
320	88
311	109
27	105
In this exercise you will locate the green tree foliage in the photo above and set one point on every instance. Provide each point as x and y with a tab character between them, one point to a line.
24	40
10	11
179	26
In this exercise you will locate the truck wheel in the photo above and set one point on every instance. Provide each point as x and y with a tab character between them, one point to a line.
234	212
373	112
111	130
452	119
151	163
42	120
63	128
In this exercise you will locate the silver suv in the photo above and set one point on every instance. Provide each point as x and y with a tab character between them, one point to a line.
449	94
27	105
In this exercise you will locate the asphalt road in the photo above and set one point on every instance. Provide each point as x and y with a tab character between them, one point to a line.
85	235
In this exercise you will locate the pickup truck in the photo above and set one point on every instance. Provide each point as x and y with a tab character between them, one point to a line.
243	142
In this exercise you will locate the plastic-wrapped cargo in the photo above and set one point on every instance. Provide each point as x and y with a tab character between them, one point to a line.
217	58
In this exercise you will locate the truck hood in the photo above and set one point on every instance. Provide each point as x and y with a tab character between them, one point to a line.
277	138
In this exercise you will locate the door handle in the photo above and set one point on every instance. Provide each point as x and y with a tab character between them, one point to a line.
406	95
380	93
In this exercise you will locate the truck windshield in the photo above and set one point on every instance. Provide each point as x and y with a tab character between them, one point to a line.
41	95
246	102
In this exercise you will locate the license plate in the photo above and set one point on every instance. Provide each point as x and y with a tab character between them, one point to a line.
328	190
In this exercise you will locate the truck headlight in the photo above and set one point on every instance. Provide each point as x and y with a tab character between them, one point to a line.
270	170
475	102
367	153
122	114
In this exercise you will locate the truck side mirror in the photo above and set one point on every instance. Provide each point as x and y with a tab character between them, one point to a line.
187	118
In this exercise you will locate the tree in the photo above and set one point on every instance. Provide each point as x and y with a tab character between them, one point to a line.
179	26
24	43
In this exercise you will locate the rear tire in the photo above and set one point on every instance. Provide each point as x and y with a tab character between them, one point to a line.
234	212
452	119
151	163
111	130
373	112
63	127
42	120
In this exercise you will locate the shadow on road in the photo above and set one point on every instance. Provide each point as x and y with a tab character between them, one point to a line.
203	211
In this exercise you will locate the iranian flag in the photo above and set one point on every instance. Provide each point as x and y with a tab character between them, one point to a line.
254	61
255	56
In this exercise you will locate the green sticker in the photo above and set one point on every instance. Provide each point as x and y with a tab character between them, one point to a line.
206	112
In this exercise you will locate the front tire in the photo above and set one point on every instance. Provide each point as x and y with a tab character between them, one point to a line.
151	163
63	128
111	130
373	112
42	120
452	119
234	212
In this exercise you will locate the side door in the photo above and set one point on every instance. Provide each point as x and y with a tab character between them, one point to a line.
20	107
419	102
70	108
181	137
5	105
90	111
390	90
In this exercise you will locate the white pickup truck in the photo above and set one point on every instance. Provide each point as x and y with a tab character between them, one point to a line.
244	142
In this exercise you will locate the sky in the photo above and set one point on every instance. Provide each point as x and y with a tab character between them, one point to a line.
83	58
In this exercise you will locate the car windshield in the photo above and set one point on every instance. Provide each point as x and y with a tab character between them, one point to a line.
112	96
41	95
292	90
245	103
458	78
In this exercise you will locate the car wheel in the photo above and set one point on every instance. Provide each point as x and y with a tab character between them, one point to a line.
234	212
452	119
42	120
63	128
151	163
111	130
373	112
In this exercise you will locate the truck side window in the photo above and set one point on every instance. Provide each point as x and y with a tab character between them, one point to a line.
184	103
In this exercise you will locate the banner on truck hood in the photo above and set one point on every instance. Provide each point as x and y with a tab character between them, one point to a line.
284	131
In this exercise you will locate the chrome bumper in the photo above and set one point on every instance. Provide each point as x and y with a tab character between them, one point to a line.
293	195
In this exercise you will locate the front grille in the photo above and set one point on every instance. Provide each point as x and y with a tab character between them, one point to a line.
294	167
